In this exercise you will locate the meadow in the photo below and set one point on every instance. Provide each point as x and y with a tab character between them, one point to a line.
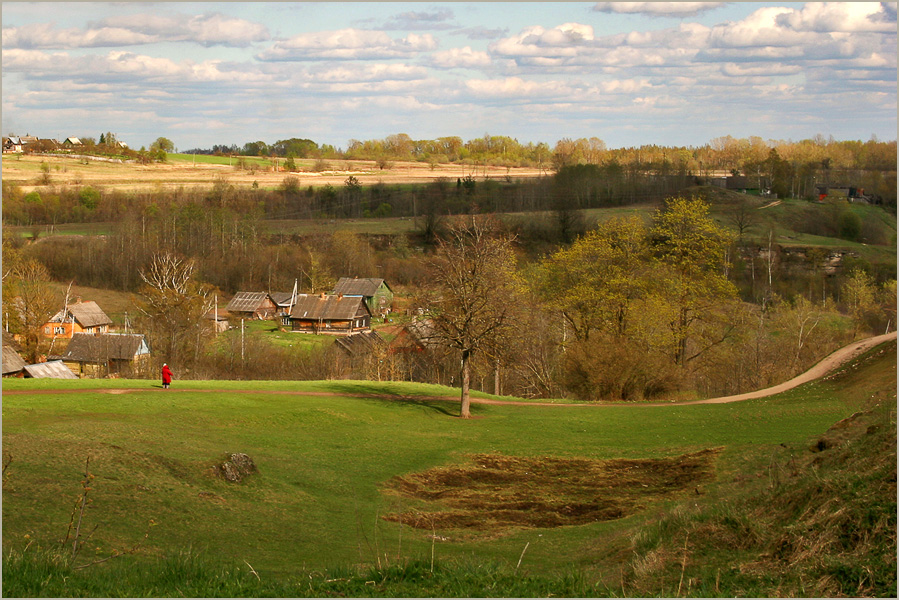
334	459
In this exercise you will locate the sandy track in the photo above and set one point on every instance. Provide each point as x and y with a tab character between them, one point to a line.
825	366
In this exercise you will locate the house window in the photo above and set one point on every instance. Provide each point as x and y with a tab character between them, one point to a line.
59	331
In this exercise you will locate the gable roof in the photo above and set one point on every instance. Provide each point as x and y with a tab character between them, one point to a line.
281	298
246	301
12	362
100	348
49	370
357	287
88	314
327	307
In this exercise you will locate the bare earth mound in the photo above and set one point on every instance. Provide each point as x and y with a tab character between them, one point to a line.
493	492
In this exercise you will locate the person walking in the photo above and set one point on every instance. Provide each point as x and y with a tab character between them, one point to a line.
166	376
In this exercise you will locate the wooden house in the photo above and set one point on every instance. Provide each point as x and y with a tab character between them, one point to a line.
106	354
13	364
81	317
376	293
332	314
251	305
283	303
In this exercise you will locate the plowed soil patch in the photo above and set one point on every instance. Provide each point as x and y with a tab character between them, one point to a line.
492	493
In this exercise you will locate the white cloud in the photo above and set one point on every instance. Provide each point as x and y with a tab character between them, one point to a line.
658	9
217	29
516	87
849	17
207	30
45	35
377	72
347	44
460	57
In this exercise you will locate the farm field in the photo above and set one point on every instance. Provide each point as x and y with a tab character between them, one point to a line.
184	170
361	473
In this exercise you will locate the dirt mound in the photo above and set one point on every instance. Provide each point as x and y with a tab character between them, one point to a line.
496	492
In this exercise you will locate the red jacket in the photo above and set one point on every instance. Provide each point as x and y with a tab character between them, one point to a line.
166	374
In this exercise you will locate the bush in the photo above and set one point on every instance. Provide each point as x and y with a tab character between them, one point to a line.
605	368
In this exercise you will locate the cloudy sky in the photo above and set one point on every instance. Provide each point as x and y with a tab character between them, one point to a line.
630	73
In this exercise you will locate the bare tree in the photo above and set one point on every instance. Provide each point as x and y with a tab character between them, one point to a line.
174	305
35	302
476	285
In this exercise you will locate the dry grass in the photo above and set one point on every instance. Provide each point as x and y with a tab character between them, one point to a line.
494	493
26	170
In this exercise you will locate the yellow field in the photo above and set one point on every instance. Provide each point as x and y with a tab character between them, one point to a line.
26	171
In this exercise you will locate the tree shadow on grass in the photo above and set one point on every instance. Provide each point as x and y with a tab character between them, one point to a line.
378	393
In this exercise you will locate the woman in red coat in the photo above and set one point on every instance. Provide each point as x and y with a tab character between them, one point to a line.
166	376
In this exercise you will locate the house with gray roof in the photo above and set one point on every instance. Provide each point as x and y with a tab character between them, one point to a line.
332	314
252	305
109	354
376	293
81	317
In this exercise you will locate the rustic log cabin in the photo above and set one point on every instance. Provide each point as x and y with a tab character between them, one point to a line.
330	314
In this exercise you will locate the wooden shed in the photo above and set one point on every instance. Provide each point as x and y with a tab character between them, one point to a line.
251	305
106	354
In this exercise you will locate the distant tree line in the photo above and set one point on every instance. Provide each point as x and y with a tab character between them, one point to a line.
790	168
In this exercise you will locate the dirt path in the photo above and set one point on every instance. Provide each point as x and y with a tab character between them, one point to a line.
824	367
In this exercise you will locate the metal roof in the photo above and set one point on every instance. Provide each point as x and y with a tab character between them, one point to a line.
246	302
49	370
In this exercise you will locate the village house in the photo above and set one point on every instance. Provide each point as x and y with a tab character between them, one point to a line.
12	144
376	293
332	314
107	354
81	317
283	303
251	305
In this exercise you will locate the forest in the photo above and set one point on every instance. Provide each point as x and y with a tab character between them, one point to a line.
625	275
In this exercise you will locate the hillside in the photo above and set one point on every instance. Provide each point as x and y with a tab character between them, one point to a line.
825	451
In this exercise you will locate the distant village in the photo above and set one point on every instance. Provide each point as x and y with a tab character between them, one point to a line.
83	343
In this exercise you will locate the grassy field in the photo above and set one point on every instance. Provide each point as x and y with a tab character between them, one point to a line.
336	470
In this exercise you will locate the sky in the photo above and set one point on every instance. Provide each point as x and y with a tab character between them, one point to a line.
629	73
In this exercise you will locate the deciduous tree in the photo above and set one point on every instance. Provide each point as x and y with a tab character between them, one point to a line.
476	284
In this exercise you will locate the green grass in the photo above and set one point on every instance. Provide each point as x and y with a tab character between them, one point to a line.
317	500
